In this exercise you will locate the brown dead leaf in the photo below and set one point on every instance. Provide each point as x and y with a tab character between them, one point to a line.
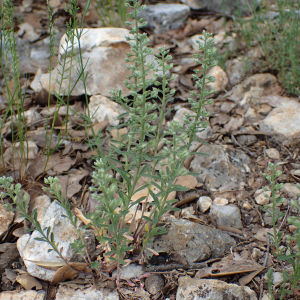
66	273
229	267
70	183
82	218
50	265
188	181
28	282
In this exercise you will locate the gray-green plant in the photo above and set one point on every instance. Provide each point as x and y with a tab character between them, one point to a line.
112	13
14	95
128	156
288	254
277	33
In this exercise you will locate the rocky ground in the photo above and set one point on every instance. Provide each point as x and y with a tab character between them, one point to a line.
217	246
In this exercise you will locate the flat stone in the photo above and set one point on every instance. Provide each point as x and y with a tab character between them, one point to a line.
291	190
283	122
228	7
253	88
24	295
192	241
204	203
103	52
163	17
220	167
226	215
221	79
68	293
211	289
260	197
273	153
102	108
33	250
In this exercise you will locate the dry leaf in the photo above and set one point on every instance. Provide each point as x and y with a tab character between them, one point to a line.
229	267
66	273
48	264
188	181
82	218
28	282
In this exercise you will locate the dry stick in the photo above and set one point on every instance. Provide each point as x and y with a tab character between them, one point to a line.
170	267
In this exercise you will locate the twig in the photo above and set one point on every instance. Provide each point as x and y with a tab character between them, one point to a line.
171	267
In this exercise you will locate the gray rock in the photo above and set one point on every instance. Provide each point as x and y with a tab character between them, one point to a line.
68	293
284	122
194	242
220	167
33	250
211	289
291	190
102	108
24	295
229	7
226	215
154	283
163	17
128	272
103	52
221	79
253	88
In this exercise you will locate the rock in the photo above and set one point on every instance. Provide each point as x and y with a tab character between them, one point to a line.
163	16
277	278
283	122
266	296
6	218
220	167
204	203
211	289
130	271
291	190
24	295
68	293
254	87
229	7
221	79
260	198
193	242
220	201
103	52
238	68
226	215
222	38
27	32
33	250
102	108
273	153
256	254
154	283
